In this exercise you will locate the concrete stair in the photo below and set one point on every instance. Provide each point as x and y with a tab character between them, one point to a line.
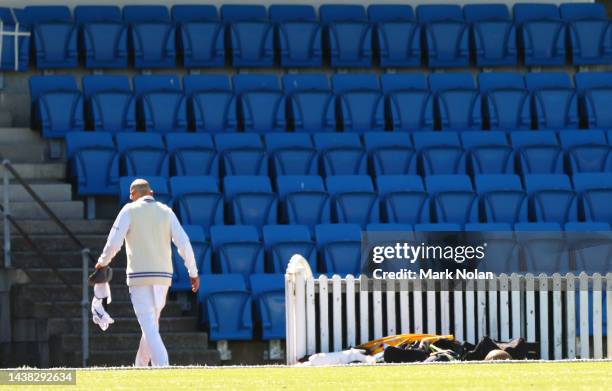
44	312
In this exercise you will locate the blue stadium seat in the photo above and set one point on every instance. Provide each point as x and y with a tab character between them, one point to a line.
94	162
162	104
201	35
502	198
292	154
305	200
217	293
341	154
237	249
311	103
397	35
201	249
403	199
197	201
103	36
12	24
493	35
446	35
389	227
595	91
57	105
507	101
390	153
359	102
554	99
437	227
212	104
158	184
544	247
552	198
251	200
488	153
457	101
347	35
109	103
340	248
261	103
297	36
284	241
152	40
503	253
268	292
142	154
453	198
595	190
590	34
249	35
409	103
192	154
592	80
592	246
587	151
440	153
538	152
242	154
541	34
55	36
354	199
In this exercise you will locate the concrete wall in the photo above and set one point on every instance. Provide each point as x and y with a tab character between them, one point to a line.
72	3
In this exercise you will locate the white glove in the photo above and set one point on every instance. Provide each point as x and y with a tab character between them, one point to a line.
99	314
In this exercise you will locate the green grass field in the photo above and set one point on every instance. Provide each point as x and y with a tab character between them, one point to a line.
509	376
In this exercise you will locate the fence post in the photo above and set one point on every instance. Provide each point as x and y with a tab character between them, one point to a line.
295	307
85	308
7	213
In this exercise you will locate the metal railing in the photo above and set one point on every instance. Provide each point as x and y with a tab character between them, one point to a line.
86	257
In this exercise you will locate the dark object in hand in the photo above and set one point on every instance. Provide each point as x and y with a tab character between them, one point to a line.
100	276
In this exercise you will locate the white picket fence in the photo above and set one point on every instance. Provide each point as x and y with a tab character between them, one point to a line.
333	314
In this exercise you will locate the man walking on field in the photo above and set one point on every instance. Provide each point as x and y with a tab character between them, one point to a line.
148	227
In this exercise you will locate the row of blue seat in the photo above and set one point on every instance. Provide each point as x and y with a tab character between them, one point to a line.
266	296
96	162
240	249
308	200
347	35
306	103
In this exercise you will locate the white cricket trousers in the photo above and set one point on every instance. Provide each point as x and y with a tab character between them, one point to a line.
148	302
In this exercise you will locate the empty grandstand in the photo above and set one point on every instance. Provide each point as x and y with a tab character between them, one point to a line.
288	129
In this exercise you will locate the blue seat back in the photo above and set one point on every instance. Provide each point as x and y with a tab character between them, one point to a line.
454	198
251	199
312	104
192	154
503	198
292	154
237	249
355	201
404	199
242	154
222	292
283	241
457	101
542	33
305	200
440	153
347	34
488	153
538	152
552	197
341	153
360	102
340	248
